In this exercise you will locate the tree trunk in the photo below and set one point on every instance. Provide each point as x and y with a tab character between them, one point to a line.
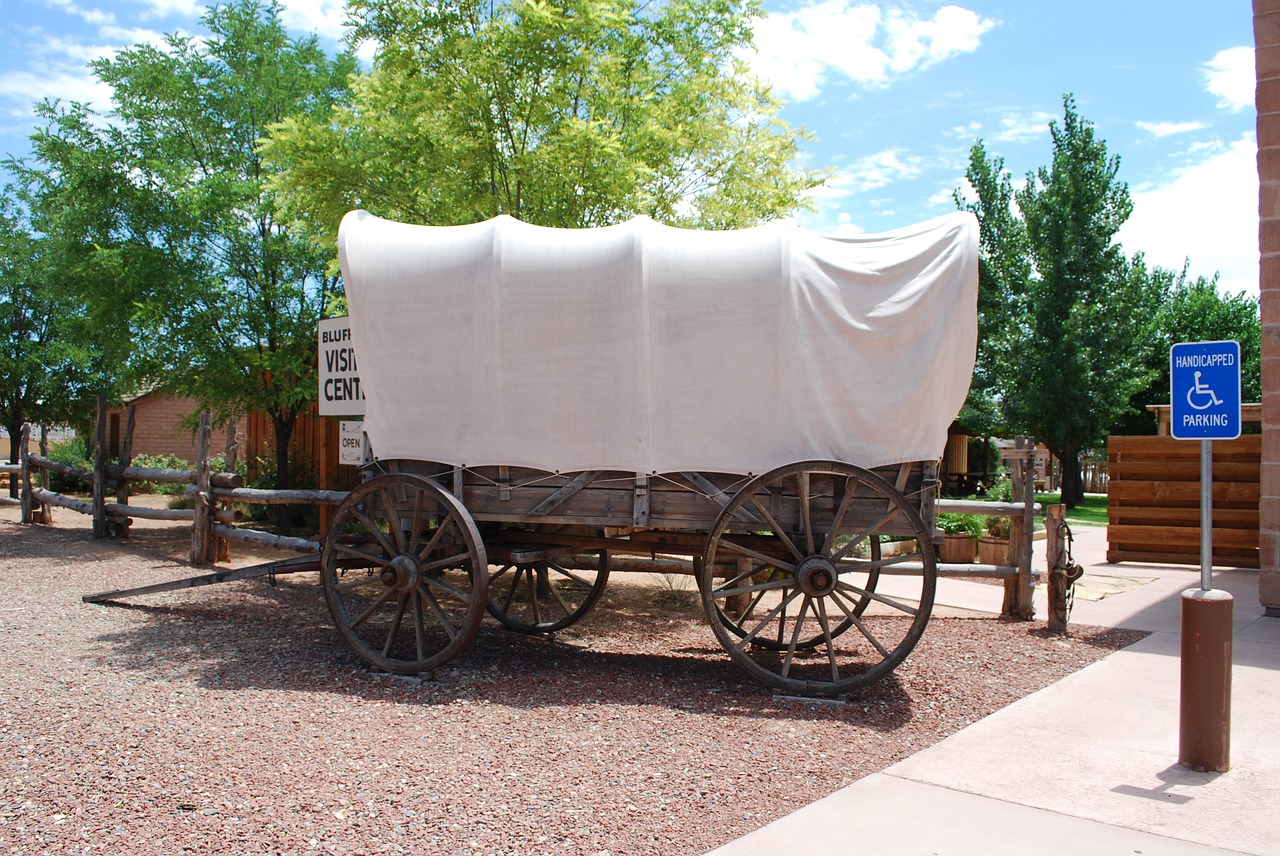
1072	481
15	449
283	424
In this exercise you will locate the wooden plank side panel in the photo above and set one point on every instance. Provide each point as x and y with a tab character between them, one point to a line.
1154	500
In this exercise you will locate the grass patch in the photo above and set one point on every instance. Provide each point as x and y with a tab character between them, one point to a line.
1092	512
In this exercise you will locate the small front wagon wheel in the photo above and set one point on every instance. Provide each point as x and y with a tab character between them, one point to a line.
404	573
800	586
544	597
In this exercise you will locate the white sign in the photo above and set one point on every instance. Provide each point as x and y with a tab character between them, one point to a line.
350	442
340	393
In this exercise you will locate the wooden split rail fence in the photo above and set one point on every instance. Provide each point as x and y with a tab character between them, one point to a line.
213	518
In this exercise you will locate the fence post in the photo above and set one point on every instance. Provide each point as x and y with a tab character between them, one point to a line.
99	471
202	525
44	512
24	460
1059	582
126	458
1019	591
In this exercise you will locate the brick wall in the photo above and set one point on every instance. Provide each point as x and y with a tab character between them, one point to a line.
1266	32
158	421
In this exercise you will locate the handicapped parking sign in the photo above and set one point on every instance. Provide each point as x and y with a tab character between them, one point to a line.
1204	379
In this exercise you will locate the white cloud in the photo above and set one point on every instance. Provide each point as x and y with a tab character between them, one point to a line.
797	51
21	89
1230	76
1022	127
1207	212
177	8
878	170
1165	129
323	17
97	17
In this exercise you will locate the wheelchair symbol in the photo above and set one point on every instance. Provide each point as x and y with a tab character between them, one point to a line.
1202	393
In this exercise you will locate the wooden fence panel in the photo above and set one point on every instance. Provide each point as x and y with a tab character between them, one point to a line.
1154	500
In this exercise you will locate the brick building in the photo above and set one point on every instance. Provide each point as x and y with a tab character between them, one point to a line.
1266	33
162	426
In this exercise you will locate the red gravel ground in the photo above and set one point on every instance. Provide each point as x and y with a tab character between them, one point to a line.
232	719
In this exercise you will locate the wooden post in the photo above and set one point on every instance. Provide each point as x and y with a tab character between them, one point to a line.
100	471
1056	561
231	454
327	470
44	512
24	460
126	458
202	526
1019	590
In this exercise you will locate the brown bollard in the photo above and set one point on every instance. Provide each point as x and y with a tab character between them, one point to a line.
1204	735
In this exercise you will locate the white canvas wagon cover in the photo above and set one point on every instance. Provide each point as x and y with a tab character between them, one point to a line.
646	348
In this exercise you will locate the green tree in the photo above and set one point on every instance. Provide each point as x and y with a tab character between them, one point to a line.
563	113
1193	310
222	293
1072	313
50	366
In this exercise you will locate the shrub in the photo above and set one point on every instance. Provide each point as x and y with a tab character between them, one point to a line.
961	524
159	462
73	453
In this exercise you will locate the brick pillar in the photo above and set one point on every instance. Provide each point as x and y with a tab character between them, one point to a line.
1266	34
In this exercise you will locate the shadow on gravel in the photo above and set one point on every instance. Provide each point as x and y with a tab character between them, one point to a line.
256	636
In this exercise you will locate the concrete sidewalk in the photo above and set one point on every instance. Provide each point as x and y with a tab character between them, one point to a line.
1086	766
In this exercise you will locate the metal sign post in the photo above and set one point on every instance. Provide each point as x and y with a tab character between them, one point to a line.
1204	380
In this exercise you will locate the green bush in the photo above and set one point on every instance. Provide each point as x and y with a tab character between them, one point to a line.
957	524
73	454
159	462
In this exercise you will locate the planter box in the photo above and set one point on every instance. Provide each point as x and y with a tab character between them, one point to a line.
957	549
993	551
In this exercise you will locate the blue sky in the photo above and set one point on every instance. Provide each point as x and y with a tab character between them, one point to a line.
895	94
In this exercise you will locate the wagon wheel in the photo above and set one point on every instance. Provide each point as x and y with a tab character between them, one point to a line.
543	597
405	573
815	575
736	613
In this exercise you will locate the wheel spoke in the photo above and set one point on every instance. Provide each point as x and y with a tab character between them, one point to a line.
806	520
416	523
380	561
419	626
795	636
776	529
764	622
371	608
767	585
458	560
826	634
435	538
830	545
863	535
758	556
393	521
395	625
374	530
441	616
887	601
862	628
511	592
448	587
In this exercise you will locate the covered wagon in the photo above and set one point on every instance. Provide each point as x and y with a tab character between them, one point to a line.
768	404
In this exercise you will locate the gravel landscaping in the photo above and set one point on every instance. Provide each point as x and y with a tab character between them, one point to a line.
233	719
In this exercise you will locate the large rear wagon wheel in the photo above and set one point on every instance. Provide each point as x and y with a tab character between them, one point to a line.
405	573
802	587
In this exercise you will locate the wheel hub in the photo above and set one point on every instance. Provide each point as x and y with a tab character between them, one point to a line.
402	574
817	576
